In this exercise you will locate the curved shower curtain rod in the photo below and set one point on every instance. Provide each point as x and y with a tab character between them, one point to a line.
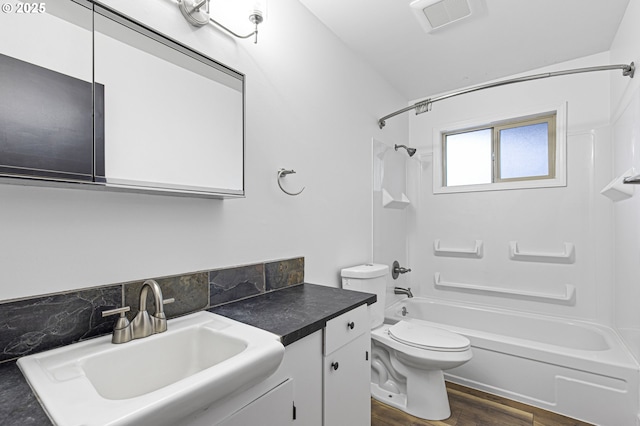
424	106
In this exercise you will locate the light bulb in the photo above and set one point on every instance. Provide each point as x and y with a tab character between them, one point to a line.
258	8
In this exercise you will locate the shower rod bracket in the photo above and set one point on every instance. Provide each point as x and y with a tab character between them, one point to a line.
629	71
425	106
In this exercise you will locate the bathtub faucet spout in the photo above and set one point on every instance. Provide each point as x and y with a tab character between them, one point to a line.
400	290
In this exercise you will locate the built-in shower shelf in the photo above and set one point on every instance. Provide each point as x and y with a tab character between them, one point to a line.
567	256
392	203
567	296
618	189
476	251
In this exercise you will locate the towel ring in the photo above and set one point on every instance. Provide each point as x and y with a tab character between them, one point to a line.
281	174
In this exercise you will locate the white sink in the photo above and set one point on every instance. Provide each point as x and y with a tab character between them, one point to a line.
157	380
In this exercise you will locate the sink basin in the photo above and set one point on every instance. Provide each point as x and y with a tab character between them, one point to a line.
160	379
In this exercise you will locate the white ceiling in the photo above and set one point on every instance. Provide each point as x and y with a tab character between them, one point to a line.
507	37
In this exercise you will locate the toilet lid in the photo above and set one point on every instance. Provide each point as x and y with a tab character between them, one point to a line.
426	337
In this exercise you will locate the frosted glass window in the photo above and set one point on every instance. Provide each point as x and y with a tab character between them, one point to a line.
524	151
468	158
519	149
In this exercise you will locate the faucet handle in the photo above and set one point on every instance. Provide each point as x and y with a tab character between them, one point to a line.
122	329
396	270
159	319
115	311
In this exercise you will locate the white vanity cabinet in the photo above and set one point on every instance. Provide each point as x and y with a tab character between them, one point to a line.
270	409
347	369
324	380
305	365
291	396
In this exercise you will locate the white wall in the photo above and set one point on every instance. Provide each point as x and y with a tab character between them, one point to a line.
541	220
625	107
310	105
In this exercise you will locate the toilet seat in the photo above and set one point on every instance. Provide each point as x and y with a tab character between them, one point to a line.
427	337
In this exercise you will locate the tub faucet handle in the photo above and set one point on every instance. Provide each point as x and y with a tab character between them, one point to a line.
396	270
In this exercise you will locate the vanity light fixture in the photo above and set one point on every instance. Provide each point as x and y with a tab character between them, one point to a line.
196	12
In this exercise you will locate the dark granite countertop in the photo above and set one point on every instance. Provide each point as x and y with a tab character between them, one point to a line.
291	313
294	312
18	405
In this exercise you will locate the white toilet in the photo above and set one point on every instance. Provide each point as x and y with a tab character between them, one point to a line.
407	357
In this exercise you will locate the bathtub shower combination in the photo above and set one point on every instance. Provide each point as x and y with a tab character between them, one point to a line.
578	369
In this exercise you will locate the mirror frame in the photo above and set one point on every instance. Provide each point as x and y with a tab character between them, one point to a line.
166	189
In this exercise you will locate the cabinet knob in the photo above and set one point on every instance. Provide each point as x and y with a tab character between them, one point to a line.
351	325
335	365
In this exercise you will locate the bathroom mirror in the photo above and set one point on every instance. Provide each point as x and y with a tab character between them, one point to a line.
88	95
46	124
173	118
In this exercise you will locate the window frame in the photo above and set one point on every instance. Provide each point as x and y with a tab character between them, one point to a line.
523	122
557	150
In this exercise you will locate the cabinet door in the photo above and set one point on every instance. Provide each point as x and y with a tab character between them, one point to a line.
347	376
275	408
303	361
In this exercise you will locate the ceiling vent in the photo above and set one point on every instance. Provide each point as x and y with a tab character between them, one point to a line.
434	14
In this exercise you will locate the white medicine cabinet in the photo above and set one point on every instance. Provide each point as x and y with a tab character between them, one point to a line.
95	98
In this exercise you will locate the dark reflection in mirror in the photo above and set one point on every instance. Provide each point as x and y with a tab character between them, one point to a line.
46	94
97	97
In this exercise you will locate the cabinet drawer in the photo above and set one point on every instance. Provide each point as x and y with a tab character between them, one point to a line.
346	327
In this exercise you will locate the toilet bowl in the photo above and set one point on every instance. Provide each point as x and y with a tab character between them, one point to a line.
408	357
416	385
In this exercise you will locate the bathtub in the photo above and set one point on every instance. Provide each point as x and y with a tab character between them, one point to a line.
578	369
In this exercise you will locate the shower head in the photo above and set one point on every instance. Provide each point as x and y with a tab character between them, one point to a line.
410	151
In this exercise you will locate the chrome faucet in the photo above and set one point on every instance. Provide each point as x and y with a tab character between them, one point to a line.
143	324
400	290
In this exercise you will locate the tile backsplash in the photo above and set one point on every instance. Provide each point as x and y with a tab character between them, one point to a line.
226	285
42	323
283	273
45	322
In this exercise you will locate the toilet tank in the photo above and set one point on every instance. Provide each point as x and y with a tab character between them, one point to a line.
370	278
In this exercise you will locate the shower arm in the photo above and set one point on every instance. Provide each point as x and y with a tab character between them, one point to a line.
425	105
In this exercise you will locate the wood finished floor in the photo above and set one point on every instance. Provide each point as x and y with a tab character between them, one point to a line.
470	407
